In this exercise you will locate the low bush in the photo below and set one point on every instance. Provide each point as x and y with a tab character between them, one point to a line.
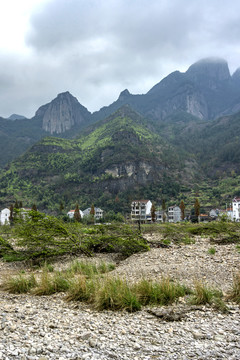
5	247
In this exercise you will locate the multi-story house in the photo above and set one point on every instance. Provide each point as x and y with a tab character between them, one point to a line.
236	208
161	216
70	214
141	210
4	216
98	213
174	214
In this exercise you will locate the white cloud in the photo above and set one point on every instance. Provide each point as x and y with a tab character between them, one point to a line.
97	48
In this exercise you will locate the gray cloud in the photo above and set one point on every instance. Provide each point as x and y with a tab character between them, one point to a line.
96	48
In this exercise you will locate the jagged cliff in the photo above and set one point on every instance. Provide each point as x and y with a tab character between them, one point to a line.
206	90
62	113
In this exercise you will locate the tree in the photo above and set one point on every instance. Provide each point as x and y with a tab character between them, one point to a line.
77	215
61	207
182	207
34	207
163	209
153	213
197	207
11	214
92	211
16	205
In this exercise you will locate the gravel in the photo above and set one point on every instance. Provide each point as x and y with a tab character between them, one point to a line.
47	327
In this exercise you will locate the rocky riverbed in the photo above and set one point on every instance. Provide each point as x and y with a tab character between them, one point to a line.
47	327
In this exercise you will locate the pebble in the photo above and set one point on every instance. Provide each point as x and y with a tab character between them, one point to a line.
49	328
202	334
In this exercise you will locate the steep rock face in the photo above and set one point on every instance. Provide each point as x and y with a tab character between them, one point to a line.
62	114
209	73
206	90
203	91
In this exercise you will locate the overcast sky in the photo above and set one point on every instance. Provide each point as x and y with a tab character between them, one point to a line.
97	48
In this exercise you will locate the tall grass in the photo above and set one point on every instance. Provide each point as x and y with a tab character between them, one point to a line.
205	295
163	292
89	269
19	284
234	293
81	289
51	283
115	294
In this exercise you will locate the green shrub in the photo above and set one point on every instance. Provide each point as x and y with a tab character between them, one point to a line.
125	245
5	247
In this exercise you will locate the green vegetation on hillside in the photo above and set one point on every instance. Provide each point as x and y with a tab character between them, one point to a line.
125	157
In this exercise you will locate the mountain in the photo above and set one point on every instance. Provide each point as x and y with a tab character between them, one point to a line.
16	136
178	140
116	160
16	117
62	114
206	90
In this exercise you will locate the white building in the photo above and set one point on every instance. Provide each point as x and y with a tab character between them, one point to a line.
236	208
214	213
4	216
161	216
174	214
98	213
141	210
70	214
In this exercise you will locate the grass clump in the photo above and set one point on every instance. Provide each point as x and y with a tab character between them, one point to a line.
234	294
187	240
116	294
204	295
81	289
88	269
50	284
212	251
164	292
20	284
83	268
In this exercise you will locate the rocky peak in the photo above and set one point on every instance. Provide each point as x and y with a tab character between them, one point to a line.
62	113
209	72
16	117
236	75
124	95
